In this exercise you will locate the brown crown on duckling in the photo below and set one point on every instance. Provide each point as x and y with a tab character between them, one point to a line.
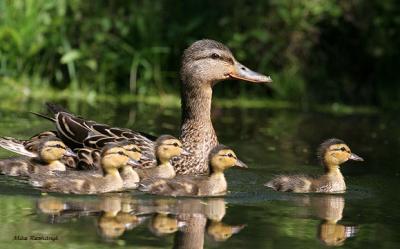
220	159
332	153
113	158
45	154
204	63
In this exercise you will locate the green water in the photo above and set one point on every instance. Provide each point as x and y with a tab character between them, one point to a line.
269	141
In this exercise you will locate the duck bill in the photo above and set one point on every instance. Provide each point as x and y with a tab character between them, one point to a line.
133	163
240	164
354	157
69	152
243	73
238	228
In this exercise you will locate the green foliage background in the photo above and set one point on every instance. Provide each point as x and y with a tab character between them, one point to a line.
316	51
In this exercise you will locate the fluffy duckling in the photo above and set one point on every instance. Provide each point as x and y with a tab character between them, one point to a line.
113	157
46	154
220	159
332	153
166	147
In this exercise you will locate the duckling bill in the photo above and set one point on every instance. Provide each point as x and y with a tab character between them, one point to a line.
332	153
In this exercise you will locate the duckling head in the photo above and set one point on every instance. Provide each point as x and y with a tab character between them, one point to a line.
132	150
222	158
167	147
114	156
53	149
211	61
334	152
221	232
162	224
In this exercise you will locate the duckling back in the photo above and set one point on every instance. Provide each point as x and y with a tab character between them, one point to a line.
295	183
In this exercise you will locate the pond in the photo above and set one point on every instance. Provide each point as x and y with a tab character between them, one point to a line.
250	216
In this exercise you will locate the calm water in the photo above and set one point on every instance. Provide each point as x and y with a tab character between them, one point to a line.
251	216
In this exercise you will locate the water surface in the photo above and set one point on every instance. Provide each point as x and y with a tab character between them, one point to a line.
251	216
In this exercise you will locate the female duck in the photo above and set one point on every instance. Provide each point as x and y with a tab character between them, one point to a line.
333	152
221	158
46	155
204	63
113	157
167	147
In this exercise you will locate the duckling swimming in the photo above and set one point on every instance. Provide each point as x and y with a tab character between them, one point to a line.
113	157
332	153
166	148
46	154
220	159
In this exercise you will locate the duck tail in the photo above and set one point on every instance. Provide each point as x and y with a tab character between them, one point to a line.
15	146
43	116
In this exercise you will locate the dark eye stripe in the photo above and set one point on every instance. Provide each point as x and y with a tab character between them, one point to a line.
133	149
57	146
222	58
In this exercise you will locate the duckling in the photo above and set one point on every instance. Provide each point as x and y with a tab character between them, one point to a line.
113	157
220	159
46	154
166	148
332	153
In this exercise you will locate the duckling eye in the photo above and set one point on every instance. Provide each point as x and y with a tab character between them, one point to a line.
343	149
121	153
230	155
175	144
215	56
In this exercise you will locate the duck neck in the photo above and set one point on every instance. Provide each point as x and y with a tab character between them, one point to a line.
57	165
197	132
196	102
333	170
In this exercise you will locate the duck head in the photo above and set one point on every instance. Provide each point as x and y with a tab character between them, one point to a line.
167	147
334	152
52	149
222	158
209	61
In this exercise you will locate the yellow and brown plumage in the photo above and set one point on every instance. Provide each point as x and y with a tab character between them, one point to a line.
204	63
43	154
220	159
113	158
333	152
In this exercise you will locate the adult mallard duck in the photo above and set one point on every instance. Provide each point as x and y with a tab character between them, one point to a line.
333	152
204	63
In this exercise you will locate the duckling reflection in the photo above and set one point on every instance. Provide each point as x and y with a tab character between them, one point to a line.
188	220
329	209
163	224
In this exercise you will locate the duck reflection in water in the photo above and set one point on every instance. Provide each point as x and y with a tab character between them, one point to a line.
188	219
329	208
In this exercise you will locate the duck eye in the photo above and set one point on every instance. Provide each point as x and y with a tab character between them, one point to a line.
121	153
230	155
175	144
343	149
215	56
